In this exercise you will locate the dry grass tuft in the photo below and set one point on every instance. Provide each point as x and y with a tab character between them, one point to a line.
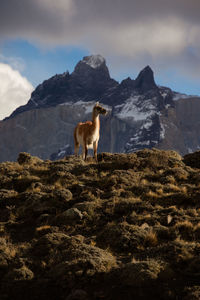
42	228
151	239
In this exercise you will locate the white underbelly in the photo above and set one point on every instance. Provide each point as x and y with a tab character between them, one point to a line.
93	138
90	146
89	141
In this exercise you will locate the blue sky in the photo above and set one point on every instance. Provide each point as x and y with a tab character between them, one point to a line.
38	64
41	38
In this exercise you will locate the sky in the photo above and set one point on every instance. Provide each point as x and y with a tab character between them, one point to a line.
41	38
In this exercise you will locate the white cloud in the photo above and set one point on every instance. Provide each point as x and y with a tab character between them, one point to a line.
15	90
163	38
17	63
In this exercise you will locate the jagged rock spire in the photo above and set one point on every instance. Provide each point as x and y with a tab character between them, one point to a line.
145	80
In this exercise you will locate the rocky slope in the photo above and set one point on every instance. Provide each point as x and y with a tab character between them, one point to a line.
127	227
142	114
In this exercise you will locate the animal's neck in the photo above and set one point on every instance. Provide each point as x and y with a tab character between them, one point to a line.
95	120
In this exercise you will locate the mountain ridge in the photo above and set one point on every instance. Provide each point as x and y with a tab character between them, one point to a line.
81	84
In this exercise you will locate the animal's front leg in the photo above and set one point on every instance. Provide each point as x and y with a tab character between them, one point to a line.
95	145
85	151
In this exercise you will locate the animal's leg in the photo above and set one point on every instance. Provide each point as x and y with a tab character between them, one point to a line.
76	143
86	151
83	151
76	148
95	145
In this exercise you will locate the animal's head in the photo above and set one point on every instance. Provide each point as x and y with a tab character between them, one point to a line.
98	109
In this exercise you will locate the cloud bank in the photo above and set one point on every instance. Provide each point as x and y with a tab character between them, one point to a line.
15	90
162	33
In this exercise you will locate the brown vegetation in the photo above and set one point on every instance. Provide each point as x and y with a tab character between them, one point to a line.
127	227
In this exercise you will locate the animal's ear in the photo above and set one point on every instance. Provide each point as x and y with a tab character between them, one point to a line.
97	103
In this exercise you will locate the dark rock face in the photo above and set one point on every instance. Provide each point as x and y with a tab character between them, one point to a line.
145	80
141	114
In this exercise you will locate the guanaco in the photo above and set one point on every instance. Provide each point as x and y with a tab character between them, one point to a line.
87	134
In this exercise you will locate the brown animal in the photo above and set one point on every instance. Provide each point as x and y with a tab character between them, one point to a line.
87	134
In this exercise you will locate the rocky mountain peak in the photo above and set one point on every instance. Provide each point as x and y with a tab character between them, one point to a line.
90	65
145	80
128	82
94	61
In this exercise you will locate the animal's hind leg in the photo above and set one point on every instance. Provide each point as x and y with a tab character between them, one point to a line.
95	145
85	151
76	143
76	148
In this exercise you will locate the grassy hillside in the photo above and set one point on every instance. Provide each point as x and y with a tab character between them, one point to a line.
127	227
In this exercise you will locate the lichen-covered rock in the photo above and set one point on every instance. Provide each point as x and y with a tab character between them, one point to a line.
141	273
26	158
123	237
63	195
72	215
81	259
192	159
71	257
192	293
22	273
77	295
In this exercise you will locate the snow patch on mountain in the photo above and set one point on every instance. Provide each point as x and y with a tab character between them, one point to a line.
88	106
162	131
62	152
147	124
136	108
34	102
94	61
164	94
141	112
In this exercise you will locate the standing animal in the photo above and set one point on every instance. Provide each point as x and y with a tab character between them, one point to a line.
87	134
